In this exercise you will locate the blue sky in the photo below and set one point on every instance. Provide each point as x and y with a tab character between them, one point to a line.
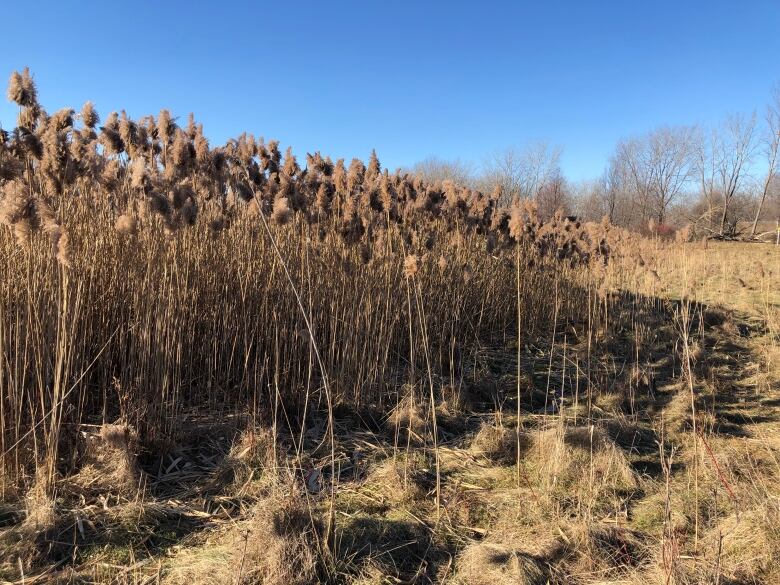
411	79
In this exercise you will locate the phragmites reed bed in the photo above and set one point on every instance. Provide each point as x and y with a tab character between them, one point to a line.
167	288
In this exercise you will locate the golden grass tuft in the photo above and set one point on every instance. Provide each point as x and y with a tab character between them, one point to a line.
605	550
749	543
250	464
110	463
40	507
493	564
408	420
397	480
278	544
501	443
456	398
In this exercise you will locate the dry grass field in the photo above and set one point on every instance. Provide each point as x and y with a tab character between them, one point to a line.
219	366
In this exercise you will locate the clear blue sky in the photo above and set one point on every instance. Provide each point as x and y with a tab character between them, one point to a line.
411	79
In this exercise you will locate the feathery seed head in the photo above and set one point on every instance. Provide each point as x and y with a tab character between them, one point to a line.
410	266
165	126
516	222
374	168
281	211
189	212
22	90
22	230
290	168
355	174
159	204
126	225
16	204
180	151
138	176
89	116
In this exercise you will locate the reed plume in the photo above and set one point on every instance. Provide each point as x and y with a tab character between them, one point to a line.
126	225
16	204
89	116
22	90
164	126
411	266
281	211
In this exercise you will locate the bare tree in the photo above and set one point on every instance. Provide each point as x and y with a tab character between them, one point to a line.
553	195
522	172
608	196
722	160
435	169
658	166
588	200
771	144
706	163
619	195
737	150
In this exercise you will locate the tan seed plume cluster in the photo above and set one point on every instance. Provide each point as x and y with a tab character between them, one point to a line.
168	275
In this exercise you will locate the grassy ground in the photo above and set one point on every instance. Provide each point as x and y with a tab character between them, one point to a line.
647	451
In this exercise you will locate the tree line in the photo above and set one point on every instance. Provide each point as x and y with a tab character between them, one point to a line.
723	180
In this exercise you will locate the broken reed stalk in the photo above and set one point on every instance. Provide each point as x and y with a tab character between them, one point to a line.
330	527
412	380
519	366
552	345
432	397
669	545
684	325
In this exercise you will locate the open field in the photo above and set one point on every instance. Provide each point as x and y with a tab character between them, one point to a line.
220	366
